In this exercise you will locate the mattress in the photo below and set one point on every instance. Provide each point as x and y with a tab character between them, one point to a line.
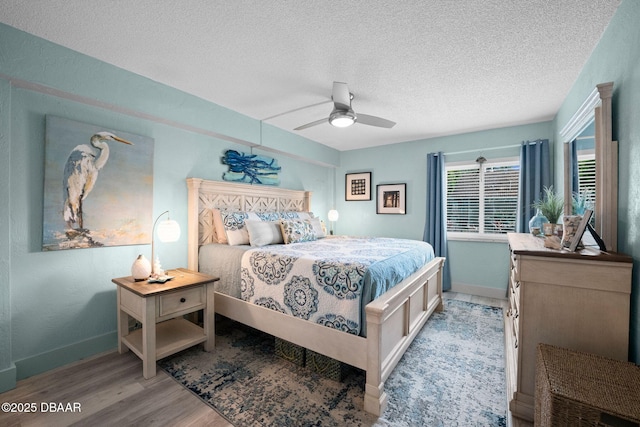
327	281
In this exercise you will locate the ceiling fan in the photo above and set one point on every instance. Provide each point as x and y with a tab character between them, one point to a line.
343	115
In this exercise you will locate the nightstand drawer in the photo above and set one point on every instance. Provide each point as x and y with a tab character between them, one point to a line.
177	303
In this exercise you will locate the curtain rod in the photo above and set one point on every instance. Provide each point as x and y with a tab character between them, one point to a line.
481	150
490	149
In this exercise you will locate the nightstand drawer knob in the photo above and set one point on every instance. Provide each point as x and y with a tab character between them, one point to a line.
183	299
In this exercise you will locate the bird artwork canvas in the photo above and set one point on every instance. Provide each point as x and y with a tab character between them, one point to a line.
98	188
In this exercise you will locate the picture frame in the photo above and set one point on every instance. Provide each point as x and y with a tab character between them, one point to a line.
391	199
577	238
117	209
357	186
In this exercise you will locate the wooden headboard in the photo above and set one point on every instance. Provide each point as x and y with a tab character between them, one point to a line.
205	196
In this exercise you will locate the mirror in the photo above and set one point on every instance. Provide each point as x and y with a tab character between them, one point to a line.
594	116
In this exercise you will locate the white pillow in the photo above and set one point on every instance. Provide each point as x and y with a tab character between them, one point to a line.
263	233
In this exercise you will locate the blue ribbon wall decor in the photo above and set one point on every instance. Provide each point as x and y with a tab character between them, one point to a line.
251	168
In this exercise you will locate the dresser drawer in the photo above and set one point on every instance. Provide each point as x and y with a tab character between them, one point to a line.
176	303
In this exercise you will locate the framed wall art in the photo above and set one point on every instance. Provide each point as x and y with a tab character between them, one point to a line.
98	186
392	199
250	168
357	186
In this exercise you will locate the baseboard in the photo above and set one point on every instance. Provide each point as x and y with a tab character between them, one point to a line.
481	291
65	355
8	378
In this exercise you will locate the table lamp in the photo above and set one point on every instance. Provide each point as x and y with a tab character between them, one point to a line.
168	231
333	216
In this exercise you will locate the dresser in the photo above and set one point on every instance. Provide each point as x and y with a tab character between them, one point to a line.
577	300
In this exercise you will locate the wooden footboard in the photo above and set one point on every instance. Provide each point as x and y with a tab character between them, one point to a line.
393	321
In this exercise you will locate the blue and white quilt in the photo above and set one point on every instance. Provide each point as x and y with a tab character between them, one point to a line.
329	281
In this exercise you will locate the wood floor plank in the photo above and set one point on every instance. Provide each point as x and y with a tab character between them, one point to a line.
111	391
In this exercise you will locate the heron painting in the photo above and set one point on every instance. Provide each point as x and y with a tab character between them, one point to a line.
98	186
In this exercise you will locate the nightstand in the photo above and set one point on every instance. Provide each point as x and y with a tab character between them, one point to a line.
160	308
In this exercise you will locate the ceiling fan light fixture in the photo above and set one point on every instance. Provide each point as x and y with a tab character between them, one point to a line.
342	119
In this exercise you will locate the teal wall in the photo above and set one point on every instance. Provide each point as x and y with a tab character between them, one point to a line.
58	307
617	59
472	263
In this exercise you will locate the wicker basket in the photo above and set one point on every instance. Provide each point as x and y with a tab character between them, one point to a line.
579	389
289	351
326	366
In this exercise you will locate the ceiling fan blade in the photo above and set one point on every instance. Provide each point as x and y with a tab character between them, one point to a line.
341	96
308	125
366	119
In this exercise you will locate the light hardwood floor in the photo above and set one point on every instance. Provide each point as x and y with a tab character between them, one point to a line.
111	391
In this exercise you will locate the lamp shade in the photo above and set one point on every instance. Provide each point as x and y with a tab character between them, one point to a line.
168	231
333	215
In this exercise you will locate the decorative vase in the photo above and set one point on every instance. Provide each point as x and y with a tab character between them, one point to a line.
141	268
535	223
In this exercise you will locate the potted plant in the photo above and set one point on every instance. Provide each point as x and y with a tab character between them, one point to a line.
551	205
581	202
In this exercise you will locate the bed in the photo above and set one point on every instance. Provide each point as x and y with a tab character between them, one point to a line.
389	323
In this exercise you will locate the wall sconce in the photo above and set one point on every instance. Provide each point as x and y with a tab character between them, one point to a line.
168	231
333	216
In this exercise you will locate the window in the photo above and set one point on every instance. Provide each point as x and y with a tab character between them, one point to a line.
587	176
482	199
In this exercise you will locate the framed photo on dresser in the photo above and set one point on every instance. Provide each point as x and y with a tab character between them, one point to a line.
577	238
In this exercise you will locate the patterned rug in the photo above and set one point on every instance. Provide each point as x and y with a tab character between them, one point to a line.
452	375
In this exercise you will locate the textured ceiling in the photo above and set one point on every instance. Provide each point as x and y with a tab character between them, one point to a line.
436	67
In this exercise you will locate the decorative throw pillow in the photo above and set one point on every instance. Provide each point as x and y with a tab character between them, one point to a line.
234	227
263	233
295	215
317	227
268	216
295	230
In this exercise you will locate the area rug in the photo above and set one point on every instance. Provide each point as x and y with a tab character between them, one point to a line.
452	375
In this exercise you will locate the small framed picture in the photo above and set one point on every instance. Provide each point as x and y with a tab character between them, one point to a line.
577	239
392	199
357	186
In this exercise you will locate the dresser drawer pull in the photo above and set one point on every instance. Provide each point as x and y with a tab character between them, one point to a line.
183	299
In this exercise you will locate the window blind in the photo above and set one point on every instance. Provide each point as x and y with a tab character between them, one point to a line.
482	198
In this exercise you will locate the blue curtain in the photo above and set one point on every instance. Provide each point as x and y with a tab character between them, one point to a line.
435	228
573	165
535	173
